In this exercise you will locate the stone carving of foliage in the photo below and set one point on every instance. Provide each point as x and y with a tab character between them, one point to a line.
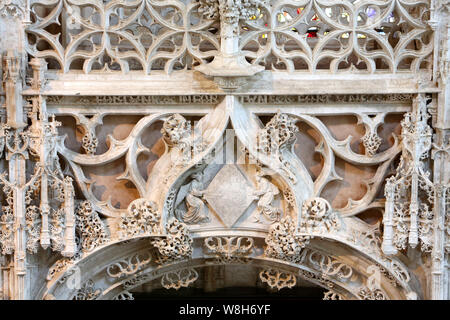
130	265
289	197
170	199
59	266
176	245
57	227
318	217
369	239
283	244
230	249
388	275
32	218
371	294
371	142
277	137
316	277
11	8
447	221
65	263
91	230
136	281
408	217
331	295
89	142
400	271
4	131
125	295
90	227
329	266
177	279
141	218
7	220
372	289
278	279
87	291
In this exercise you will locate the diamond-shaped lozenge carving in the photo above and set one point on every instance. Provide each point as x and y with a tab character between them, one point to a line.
229	194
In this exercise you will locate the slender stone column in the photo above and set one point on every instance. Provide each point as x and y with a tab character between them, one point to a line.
230	62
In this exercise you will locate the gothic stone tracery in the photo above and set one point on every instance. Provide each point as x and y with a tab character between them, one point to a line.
151	143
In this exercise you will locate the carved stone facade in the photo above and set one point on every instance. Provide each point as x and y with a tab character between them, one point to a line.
166	144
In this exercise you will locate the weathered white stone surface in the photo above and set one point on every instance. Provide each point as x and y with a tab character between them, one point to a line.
217	143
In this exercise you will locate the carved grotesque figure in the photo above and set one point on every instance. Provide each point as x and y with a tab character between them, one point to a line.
317	216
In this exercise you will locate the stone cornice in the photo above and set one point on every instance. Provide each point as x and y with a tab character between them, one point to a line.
277	83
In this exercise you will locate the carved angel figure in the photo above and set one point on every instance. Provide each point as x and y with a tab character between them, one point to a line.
266	193
196	211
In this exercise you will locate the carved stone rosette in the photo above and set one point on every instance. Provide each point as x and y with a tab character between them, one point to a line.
318	217
283	243
141	218
177	245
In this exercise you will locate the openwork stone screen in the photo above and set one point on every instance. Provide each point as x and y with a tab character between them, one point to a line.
304	36
166	144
